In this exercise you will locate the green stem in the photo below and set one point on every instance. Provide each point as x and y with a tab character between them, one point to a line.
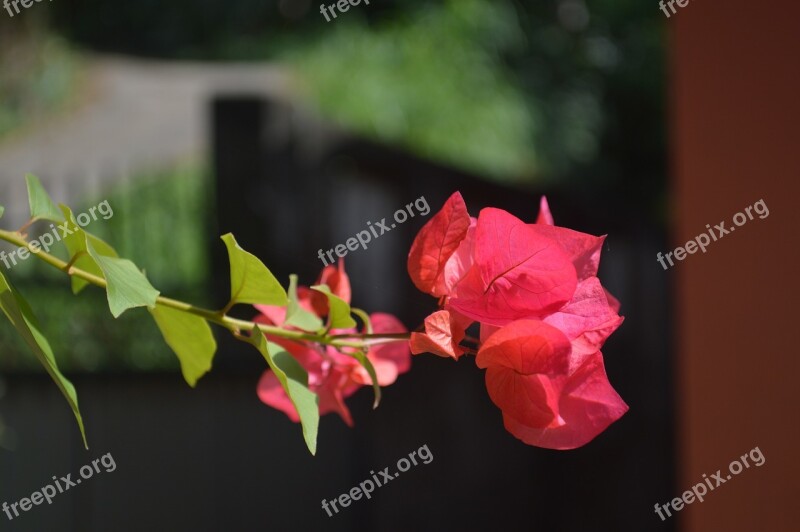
220	318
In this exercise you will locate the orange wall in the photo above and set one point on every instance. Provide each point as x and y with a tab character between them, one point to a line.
736	139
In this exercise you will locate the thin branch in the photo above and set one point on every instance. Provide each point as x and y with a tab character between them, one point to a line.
236	326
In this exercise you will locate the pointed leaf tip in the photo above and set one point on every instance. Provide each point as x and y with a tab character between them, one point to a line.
42	207
294	380
251	280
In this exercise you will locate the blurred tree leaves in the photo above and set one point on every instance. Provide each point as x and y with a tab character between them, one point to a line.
533	90
431	80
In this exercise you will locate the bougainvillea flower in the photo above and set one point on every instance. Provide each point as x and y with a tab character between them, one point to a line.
587	320
516	273
332	375
436	242
339	283
543	315
330	381
311	300
389	360
444	331
587	406
583	249
545	217
526	363
542	400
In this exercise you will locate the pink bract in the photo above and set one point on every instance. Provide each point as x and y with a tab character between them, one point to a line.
543	315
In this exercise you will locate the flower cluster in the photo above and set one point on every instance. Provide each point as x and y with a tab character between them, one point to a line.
543	316
333	374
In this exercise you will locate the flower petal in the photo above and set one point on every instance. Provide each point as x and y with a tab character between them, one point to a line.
528	347
270	314
517	272
528	399
339	283
545	217
587	320
272	393
389	360
588	405
459	262
435	244
443	334
582	249
332	392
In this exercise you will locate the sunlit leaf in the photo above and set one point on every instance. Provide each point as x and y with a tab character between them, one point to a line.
296	315
367	364
339	314
127	286
42	207
191	339
21	316
251	281
364	317
76	245
294	380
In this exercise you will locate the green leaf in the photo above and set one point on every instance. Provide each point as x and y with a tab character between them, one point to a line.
339	314
367	364
294	380
191	339
251	281
21	316
127	286
2	210
364	317
362	358
76	244
298	316
42	207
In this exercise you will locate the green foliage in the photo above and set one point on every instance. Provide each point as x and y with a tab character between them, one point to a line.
161	220
41	74
127	286
174	201
19	312
364	317
86	337
42	207
251	281
76	247
339	310
191	339
433	81
297	316
184	327
294	380
367	365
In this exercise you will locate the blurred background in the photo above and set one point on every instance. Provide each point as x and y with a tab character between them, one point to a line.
198	118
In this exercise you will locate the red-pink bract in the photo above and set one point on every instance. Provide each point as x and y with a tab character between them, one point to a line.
332	375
